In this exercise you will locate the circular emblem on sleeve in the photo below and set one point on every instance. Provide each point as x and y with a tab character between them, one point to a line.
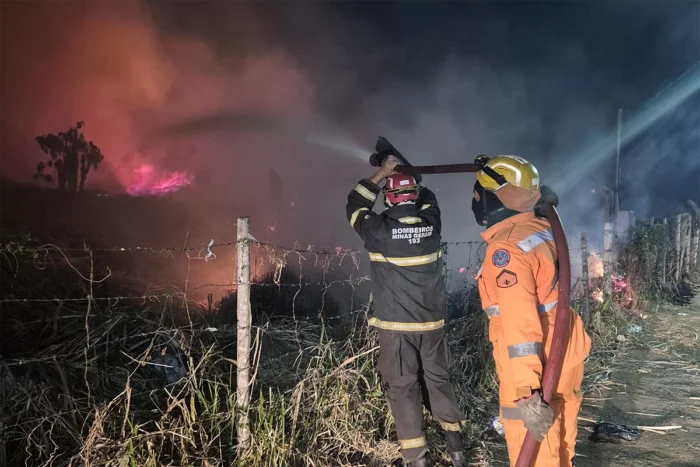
501	258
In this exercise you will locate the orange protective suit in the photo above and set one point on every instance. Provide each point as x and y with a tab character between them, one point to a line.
518	289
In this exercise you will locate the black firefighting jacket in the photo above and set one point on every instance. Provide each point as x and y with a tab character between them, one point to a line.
408	289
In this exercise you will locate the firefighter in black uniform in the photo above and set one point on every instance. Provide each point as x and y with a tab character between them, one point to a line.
408	293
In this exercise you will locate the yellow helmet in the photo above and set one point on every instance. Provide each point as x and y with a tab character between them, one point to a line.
516	170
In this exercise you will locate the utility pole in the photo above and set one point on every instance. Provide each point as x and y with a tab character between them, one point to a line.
617	164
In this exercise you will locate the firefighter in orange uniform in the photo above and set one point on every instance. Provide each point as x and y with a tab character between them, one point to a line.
518	289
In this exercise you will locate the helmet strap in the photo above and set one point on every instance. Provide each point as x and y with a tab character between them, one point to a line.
481	162
498	178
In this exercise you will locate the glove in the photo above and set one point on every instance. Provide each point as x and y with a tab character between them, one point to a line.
537	415
383	149
548	196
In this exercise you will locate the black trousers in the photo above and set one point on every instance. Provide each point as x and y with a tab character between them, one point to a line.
414	366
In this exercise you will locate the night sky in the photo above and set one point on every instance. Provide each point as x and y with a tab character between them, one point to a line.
575	61
444	81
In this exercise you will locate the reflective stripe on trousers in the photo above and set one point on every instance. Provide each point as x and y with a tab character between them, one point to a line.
510	413
405	327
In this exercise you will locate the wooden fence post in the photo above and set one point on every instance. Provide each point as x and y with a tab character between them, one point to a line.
695	232
664	256
696	244
243	322
687	243
586	281
677	263
607	252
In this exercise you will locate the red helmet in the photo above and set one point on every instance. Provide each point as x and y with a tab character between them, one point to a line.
400	188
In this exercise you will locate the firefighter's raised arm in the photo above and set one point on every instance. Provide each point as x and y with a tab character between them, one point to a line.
361	202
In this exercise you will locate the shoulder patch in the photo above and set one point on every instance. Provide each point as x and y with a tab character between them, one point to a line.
500	258
506	279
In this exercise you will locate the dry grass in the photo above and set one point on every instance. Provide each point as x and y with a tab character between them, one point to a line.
148	383
112	405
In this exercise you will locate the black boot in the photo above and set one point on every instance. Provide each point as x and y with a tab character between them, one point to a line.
455	445
458	459
422	462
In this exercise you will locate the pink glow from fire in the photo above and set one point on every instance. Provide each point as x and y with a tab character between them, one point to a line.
150	182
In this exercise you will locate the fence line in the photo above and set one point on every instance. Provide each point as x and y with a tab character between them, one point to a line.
684	259
267	255
144	249
323	274
664	251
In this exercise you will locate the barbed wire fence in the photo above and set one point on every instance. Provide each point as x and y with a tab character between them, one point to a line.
272	297
64	305
270	267
652	260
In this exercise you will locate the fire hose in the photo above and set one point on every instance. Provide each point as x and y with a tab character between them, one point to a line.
555	360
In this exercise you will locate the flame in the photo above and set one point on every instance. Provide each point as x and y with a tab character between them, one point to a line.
597	295
149	182
595	266
620	289
618	284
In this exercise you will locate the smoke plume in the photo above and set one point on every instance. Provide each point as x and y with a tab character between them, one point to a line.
141	75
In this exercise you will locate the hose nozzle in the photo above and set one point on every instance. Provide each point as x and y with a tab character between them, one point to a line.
384	149
376	159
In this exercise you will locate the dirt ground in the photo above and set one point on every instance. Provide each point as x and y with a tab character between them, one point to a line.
653	381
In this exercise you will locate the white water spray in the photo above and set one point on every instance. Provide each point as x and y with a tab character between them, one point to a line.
269	125
340	146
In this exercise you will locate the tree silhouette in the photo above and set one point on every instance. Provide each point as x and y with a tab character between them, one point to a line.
72	156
